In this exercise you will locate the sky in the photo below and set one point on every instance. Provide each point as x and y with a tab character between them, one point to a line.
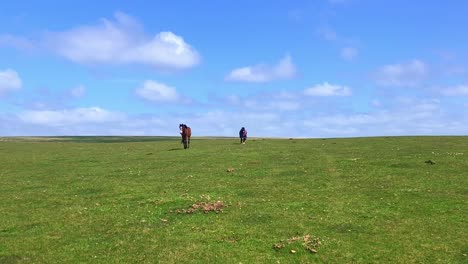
305	69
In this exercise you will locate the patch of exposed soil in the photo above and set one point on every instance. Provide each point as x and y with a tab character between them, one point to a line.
309	243
216	207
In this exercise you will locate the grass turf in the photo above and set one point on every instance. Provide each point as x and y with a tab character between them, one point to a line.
119	200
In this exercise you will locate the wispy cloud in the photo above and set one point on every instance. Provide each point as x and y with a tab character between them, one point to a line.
286	105
349	53
376	103
18	42
409	117
296	14
285	69
9	81
409	74
271	101
120	41
68	117
77	92
400	116
336	2
328	33
51	99
326	89
271	105
460	90
157	92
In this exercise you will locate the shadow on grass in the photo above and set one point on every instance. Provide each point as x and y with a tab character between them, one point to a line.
173	149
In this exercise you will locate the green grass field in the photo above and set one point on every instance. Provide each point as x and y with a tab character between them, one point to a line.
125	200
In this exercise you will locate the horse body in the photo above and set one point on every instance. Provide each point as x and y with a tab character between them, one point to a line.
243	135
186	133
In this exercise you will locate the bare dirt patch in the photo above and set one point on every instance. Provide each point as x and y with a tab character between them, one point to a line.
205	207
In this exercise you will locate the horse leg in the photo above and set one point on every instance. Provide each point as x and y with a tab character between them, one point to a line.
188	143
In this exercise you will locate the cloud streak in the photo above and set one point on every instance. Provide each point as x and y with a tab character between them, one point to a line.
349	53
260	73
409	74
77	92
67	117
158	92
22	43
460	90
326	89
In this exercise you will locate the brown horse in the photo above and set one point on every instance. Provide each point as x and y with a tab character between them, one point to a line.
186	133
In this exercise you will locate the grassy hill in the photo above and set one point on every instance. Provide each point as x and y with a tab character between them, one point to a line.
142	200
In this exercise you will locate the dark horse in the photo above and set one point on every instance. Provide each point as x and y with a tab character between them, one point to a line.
186	133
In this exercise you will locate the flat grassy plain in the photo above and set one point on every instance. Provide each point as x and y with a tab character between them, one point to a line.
122	200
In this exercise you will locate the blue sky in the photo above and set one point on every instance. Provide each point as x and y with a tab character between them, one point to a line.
323	68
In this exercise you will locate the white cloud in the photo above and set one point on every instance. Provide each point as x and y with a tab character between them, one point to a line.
122	41
157	92
349	53
460	90
285	69
409	74
326	89
9	81
68	117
